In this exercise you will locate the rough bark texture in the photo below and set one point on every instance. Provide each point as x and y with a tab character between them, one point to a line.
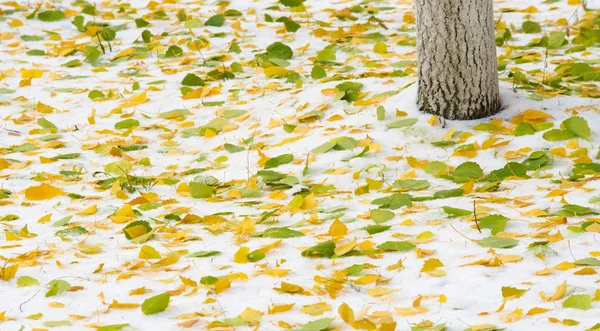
458	74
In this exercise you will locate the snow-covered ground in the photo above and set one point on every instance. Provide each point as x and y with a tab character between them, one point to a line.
99	135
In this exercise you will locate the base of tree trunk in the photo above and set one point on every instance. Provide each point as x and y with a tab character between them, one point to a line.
456	50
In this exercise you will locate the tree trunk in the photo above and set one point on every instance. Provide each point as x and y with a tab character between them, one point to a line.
458	73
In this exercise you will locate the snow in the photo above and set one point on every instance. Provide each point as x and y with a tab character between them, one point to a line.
465	296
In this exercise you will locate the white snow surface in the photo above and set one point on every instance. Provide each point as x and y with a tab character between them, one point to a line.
473	293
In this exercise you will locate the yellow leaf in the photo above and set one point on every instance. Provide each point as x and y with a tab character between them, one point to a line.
536	310
431	264
44	108
338	228
221	285
134	100
345	248
468	187
31	73
8	272
380	48
482	327
280	308
535	115
346	313
367	279
290	288
276	71
148	252
123	53
513	316
561	290
89	211
167	261
278	195
116	305
42	192
412	311
241	256
565	266
138	291
4	164
276	272
316	309
45	218
379	291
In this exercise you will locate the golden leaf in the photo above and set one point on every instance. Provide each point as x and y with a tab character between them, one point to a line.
42	192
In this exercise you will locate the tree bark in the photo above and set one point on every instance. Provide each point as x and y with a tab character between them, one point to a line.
456	50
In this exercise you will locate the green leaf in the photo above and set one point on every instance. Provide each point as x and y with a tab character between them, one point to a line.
380	113
156	304
402	123
26	281
531	27
578	126
126	124
318	72
146	36
394	201
497	242
95	94
589	261
323	323
396	246
325	249
51	16
344	143
233	113
411	184
279	233
373	229
323	148
468	170
201	190
524	129
176	113
494	222
44	123
233	148
193	23
578	301
204	254
556	40
351	90
74	231
291	3
72	63
53	324
192	80
279	160
141	23
279	50
216	20
327	54
451	193
113	327
510	169
4	90
63	221
174	51
381	215
69	156
56	287
456	212
136	229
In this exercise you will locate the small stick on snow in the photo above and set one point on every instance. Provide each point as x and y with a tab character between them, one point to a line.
475	214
